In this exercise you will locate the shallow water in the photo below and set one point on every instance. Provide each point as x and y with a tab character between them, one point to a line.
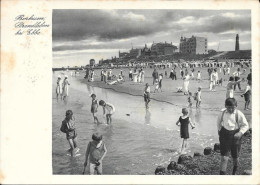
138	140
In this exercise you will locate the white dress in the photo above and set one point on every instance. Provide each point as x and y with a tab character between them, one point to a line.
142	76
135	77
59	87
198	76
65	88
186	82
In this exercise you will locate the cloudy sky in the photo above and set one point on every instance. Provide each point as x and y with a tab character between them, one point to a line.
79	35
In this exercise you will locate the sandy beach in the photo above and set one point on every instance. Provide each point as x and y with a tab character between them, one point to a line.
138	140
213	101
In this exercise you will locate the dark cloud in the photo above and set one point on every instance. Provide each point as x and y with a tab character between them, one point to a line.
110	25
72	25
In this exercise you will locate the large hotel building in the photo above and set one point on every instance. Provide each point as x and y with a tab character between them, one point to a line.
194	45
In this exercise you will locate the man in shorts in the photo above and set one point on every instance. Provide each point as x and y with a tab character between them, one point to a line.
232	124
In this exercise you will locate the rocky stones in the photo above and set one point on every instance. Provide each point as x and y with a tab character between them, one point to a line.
197	154
207	151
184	157
217	147
160	170
172	165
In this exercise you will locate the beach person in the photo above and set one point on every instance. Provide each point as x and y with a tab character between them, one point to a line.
156	84
174	76
102	75
108	110
182	73
135	76
94	107
92	73
59	87
142	76
171	74
192	73
119	80
65	87
230	87
190	99
130	75
160	82
247	95
228	70
109	75
184	121
68	126
249	76
237	74
155	75
213	80
87	74
197	97
105	76
231	124
121	72
139	76
95	153
165	73
147	95
186	82
199	76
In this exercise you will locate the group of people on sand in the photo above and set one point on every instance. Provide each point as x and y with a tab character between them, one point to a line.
62	88
137	75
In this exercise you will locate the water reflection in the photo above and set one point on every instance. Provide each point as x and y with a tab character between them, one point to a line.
147	117
197	116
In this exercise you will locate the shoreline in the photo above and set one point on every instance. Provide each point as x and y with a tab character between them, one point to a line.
195	165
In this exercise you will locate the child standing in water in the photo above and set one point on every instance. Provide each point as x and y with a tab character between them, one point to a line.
184	122
156	83
147	95
247	95
68	127
160	81
199	76
59	88
95	153
197	97
190	99
108	110
94	107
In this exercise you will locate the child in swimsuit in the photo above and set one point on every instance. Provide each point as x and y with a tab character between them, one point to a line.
68	126
94	107
184	122
108	110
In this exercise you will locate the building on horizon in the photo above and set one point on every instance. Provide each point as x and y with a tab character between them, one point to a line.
194	45
237	43
135	53
122	54
163	48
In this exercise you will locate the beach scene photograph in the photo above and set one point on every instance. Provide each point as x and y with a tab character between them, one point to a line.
151	92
